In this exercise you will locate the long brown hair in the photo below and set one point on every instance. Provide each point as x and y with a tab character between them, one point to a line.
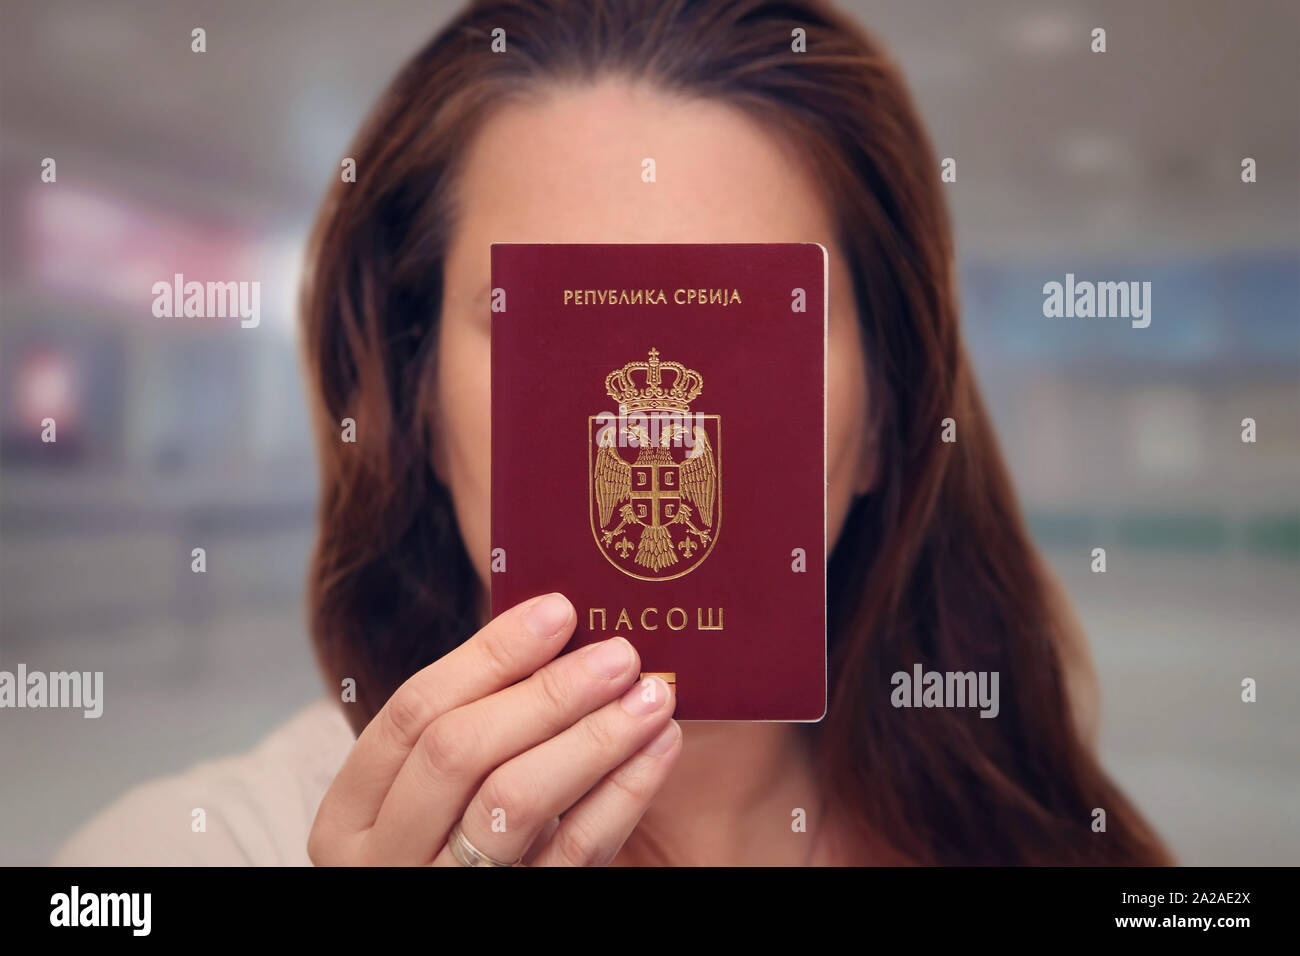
934	566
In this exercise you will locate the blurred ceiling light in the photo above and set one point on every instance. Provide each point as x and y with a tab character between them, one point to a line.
111	249
278	264
46	389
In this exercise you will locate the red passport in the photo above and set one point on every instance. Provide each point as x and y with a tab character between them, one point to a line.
659	456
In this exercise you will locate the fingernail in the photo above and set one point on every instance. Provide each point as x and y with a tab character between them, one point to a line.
664	742
645	696
547	615
608	658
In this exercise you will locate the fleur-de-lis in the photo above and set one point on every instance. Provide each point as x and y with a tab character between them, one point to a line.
687	546
623	547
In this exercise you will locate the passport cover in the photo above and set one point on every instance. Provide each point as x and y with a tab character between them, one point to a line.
659	457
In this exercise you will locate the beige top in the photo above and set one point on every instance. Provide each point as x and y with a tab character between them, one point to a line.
259	805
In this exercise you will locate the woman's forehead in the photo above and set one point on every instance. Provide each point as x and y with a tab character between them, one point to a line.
612	162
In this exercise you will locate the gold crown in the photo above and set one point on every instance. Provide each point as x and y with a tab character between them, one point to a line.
686	385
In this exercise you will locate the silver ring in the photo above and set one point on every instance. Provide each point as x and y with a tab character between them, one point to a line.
467	854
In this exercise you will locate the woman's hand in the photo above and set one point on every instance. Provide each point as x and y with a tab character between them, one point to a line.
501	738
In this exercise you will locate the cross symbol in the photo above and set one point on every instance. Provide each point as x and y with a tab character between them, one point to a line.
655	493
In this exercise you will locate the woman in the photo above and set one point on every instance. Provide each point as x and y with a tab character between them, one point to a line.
478	742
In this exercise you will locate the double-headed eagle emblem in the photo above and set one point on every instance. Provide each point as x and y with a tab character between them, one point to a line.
655	488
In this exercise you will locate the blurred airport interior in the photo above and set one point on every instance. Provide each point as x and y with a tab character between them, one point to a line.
174	434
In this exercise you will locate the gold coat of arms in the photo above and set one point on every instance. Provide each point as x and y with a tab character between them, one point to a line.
655	472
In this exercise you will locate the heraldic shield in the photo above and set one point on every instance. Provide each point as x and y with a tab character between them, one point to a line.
655	472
